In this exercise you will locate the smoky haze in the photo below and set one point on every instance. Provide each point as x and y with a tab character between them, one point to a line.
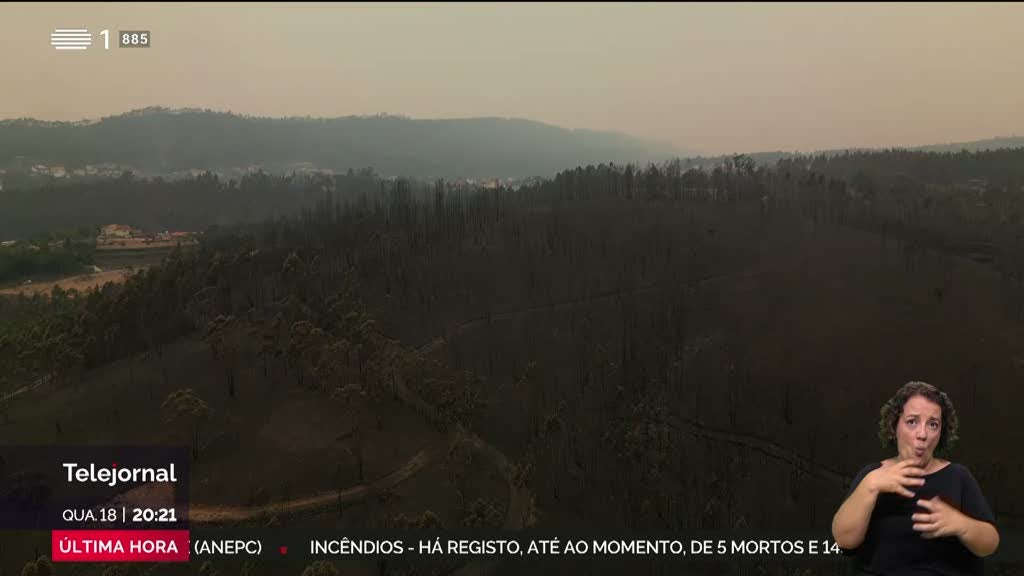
703	78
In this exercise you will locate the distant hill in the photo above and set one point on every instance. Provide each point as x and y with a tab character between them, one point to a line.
976	145
159	140
770	158
973	146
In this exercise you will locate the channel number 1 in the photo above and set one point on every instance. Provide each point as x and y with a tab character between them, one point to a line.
128	39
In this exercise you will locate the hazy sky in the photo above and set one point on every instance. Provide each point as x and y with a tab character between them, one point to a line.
708	78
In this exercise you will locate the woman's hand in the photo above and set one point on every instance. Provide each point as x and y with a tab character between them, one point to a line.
941	519
895	477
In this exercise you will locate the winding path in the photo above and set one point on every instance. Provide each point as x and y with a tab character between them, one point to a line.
214	514
26	388
766	447
470	323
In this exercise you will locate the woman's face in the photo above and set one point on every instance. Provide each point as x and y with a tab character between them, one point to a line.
918	429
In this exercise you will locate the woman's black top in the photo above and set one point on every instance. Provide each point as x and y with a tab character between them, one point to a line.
891	547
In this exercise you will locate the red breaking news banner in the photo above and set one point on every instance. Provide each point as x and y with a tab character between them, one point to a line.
120	545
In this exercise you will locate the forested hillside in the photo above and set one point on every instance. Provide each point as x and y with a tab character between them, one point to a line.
651	348
158	140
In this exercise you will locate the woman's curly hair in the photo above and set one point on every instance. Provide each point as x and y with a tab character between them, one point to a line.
893	408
